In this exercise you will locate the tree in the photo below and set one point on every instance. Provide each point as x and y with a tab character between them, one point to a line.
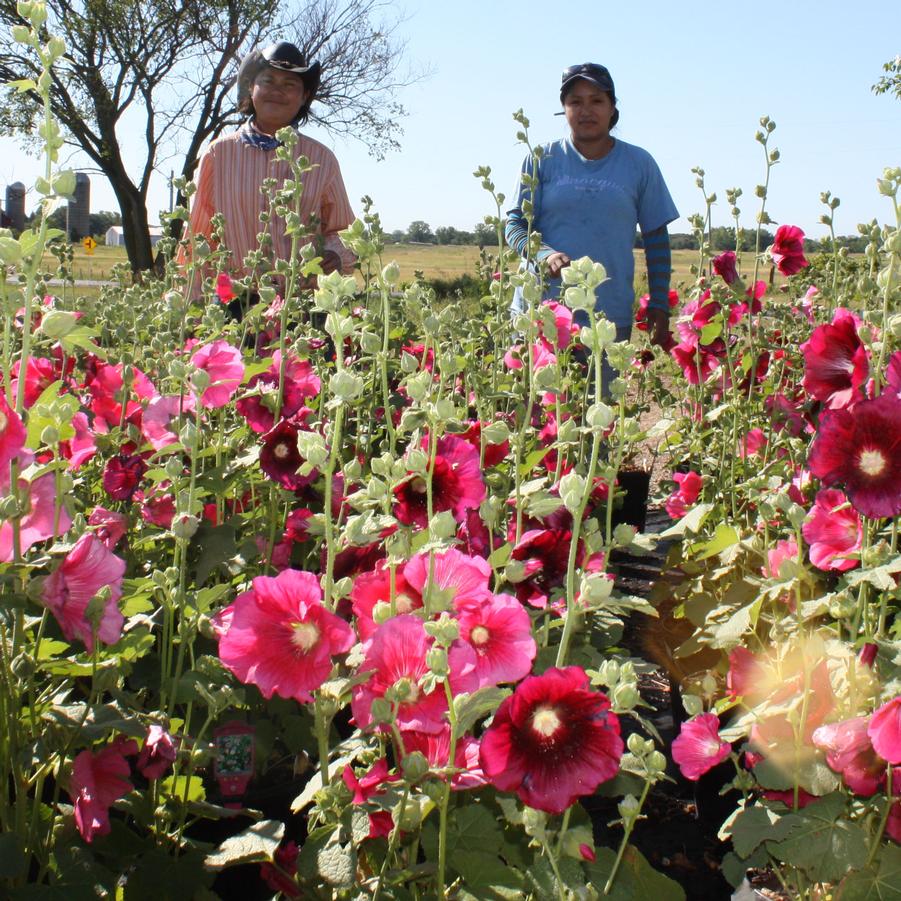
485	235
890	83
165	69
420	232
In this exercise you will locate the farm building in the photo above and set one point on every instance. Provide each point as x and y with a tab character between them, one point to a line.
114	237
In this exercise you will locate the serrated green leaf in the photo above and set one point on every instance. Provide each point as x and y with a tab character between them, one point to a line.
879	882
176	786
724	536
754	825
821	842
258	843
470	708
635	878
159	875
336	863
691	522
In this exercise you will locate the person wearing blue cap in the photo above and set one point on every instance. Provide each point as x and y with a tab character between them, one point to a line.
590	192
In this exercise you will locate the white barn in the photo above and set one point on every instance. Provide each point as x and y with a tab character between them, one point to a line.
114	235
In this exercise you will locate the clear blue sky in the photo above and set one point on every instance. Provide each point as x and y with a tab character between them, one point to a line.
692	80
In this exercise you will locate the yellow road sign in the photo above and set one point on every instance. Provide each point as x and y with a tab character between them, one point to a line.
89	244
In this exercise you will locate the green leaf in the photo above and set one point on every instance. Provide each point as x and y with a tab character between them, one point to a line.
471	829
258	843
12	862
160	875
175	786
336	863
734	867
824	844
725	536
470	708
754	825
487	876
635	878
691	522
217	546
874	883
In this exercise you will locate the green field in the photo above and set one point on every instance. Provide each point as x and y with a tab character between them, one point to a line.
445	262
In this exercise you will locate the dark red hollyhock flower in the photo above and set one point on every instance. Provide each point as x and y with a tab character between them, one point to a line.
835	361
641	314
552	741
122	476
787	249
457	484
280	459
279	875
544	554
860	448
494	453
696	362
724	266
300	382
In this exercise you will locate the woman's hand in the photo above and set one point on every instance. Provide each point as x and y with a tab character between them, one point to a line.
556	262
331	262
658	326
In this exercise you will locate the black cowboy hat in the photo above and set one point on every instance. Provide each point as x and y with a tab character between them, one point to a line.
283	56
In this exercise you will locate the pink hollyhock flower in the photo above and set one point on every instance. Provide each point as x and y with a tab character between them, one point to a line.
641	314
396	657
435	747
787	249
752	444
850	752
280	458
97	781
745	673
159	415
158	754
868	653
836	364
368	785
224	288
373	587
12	433
281	638
861	448
460	579
473	536
833	531
280	874
69	589
885	731
688	489
225	367
893	374
695	362
500	632
457	484
563	322
122	476
300	382
777	555
81	446
158	506
724	267
552	741
109	527
807	303
698	747
40	374
37	524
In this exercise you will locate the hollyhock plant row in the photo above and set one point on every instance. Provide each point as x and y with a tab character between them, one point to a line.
310	595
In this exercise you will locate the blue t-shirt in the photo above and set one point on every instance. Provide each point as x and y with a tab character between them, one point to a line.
591	208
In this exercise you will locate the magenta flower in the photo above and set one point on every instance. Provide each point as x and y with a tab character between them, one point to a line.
81	446
850	752
688	489
300	382
280	458
158	754
836	364
861	448
724	266
223	364
122	476
696	362
224	288
396	657
280	875
833	531
698	747
97	781
543	554
366	786
777	555
461	579
457	484
435	747
752	444
68	591
552	741
374	587
787	249
12	433
159	415
885	731
109	527
280	637
37	524
500	632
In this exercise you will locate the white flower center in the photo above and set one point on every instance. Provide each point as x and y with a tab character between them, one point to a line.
281	451
409	689
545	721
304	636
479	635
418	485
403	603
872	462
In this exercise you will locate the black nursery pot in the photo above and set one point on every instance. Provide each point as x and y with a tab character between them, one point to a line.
634	507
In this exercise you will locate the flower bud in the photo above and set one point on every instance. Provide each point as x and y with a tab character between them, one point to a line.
436	660
391	274
380	712
415	767
184	526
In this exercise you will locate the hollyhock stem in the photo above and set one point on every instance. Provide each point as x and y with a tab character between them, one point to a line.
392	847
445	798
886	295
336	438
628	826
877	838
322	729
383	365
552	860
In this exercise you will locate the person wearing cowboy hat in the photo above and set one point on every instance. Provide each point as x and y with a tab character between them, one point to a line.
276	87
591	191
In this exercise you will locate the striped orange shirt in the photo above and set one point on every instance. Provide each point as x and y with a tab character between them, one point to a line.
229	181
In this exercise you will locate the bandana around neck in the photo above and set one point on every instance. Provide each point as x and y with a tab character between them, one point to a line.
256	138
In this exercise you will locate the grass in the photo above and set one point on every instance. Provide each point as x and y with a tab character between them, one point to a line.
444	262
